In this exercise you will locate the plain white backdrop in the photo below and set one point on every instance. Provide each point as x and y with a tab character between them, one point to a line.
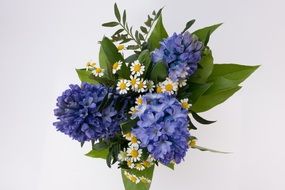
42	42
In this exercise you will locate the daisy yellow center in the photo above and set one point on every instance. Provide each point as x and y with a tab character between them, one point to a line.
139	101
120	47
146	163
115	65
133	82
128	135
129	163
185	105
133	179
123	86
134	153
98	70
169	87
134	140
140	85
158	89
193	143
137	67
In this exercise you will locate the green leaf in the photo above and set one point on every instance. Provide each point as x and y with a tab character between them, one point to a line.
110	24
159	72
209	150
188	25
98	153
204	33
145	59
85	76
124	17
234	72
128	125
197	90
143	29
117	12
206	63
100	146
170	165
131	58
206	102
157	35
148	173
200	119
109	55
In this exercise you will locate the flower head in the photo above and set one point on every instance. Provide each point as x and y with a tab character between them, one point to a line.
90	65
134	153
134	81
123	86
98	72
185	104
169	86
181	53
141	86
116	66
137	68
150	85
121	47
162	127
79	116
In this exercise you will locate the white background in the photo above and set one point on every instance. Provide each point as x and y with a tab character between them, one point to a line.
42	42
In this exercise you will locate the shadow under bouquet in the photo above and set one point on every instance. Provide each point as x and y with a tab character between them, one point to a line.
138	106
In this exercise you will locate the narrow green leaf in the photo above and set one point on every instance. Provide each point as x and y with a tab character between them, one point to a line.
128	125
124	17
191	125
143	29
209	150
117	12
188	25
85	76
206	102
170	165
202	74
159	72
204	33
148	173
157	35
200	119
98	154
110	24
131	58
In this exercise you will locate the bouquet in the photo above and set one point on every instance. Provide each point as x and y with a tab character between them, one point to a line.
138	106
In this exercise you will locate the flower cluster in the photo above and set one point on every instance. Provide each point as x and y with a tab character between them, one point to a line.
80	117
162	127
181	53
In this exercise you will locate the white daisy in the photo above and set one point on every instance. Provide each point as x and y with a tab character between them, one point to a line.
123	156
182	82
137	68
159	88
134	143
98	72
169	86
134	153
139	100
123	86
90	65
130	164
141	86
133	110
133	178
185	104
116	66
145	180
128	136
139	166
134	82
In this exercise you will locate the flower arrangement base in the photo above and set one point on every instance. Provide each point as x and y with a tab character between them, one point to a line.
130	177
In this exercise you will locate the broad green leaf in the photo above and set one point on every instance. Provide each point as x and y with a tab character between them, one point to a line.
131	58
148	173
197	90
170	165
201	119
145	59
98	153
206	102
188	25
157	35
204	33
108	56
159	72
206	63
110	24
234	72
85	76
100	146
117	12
